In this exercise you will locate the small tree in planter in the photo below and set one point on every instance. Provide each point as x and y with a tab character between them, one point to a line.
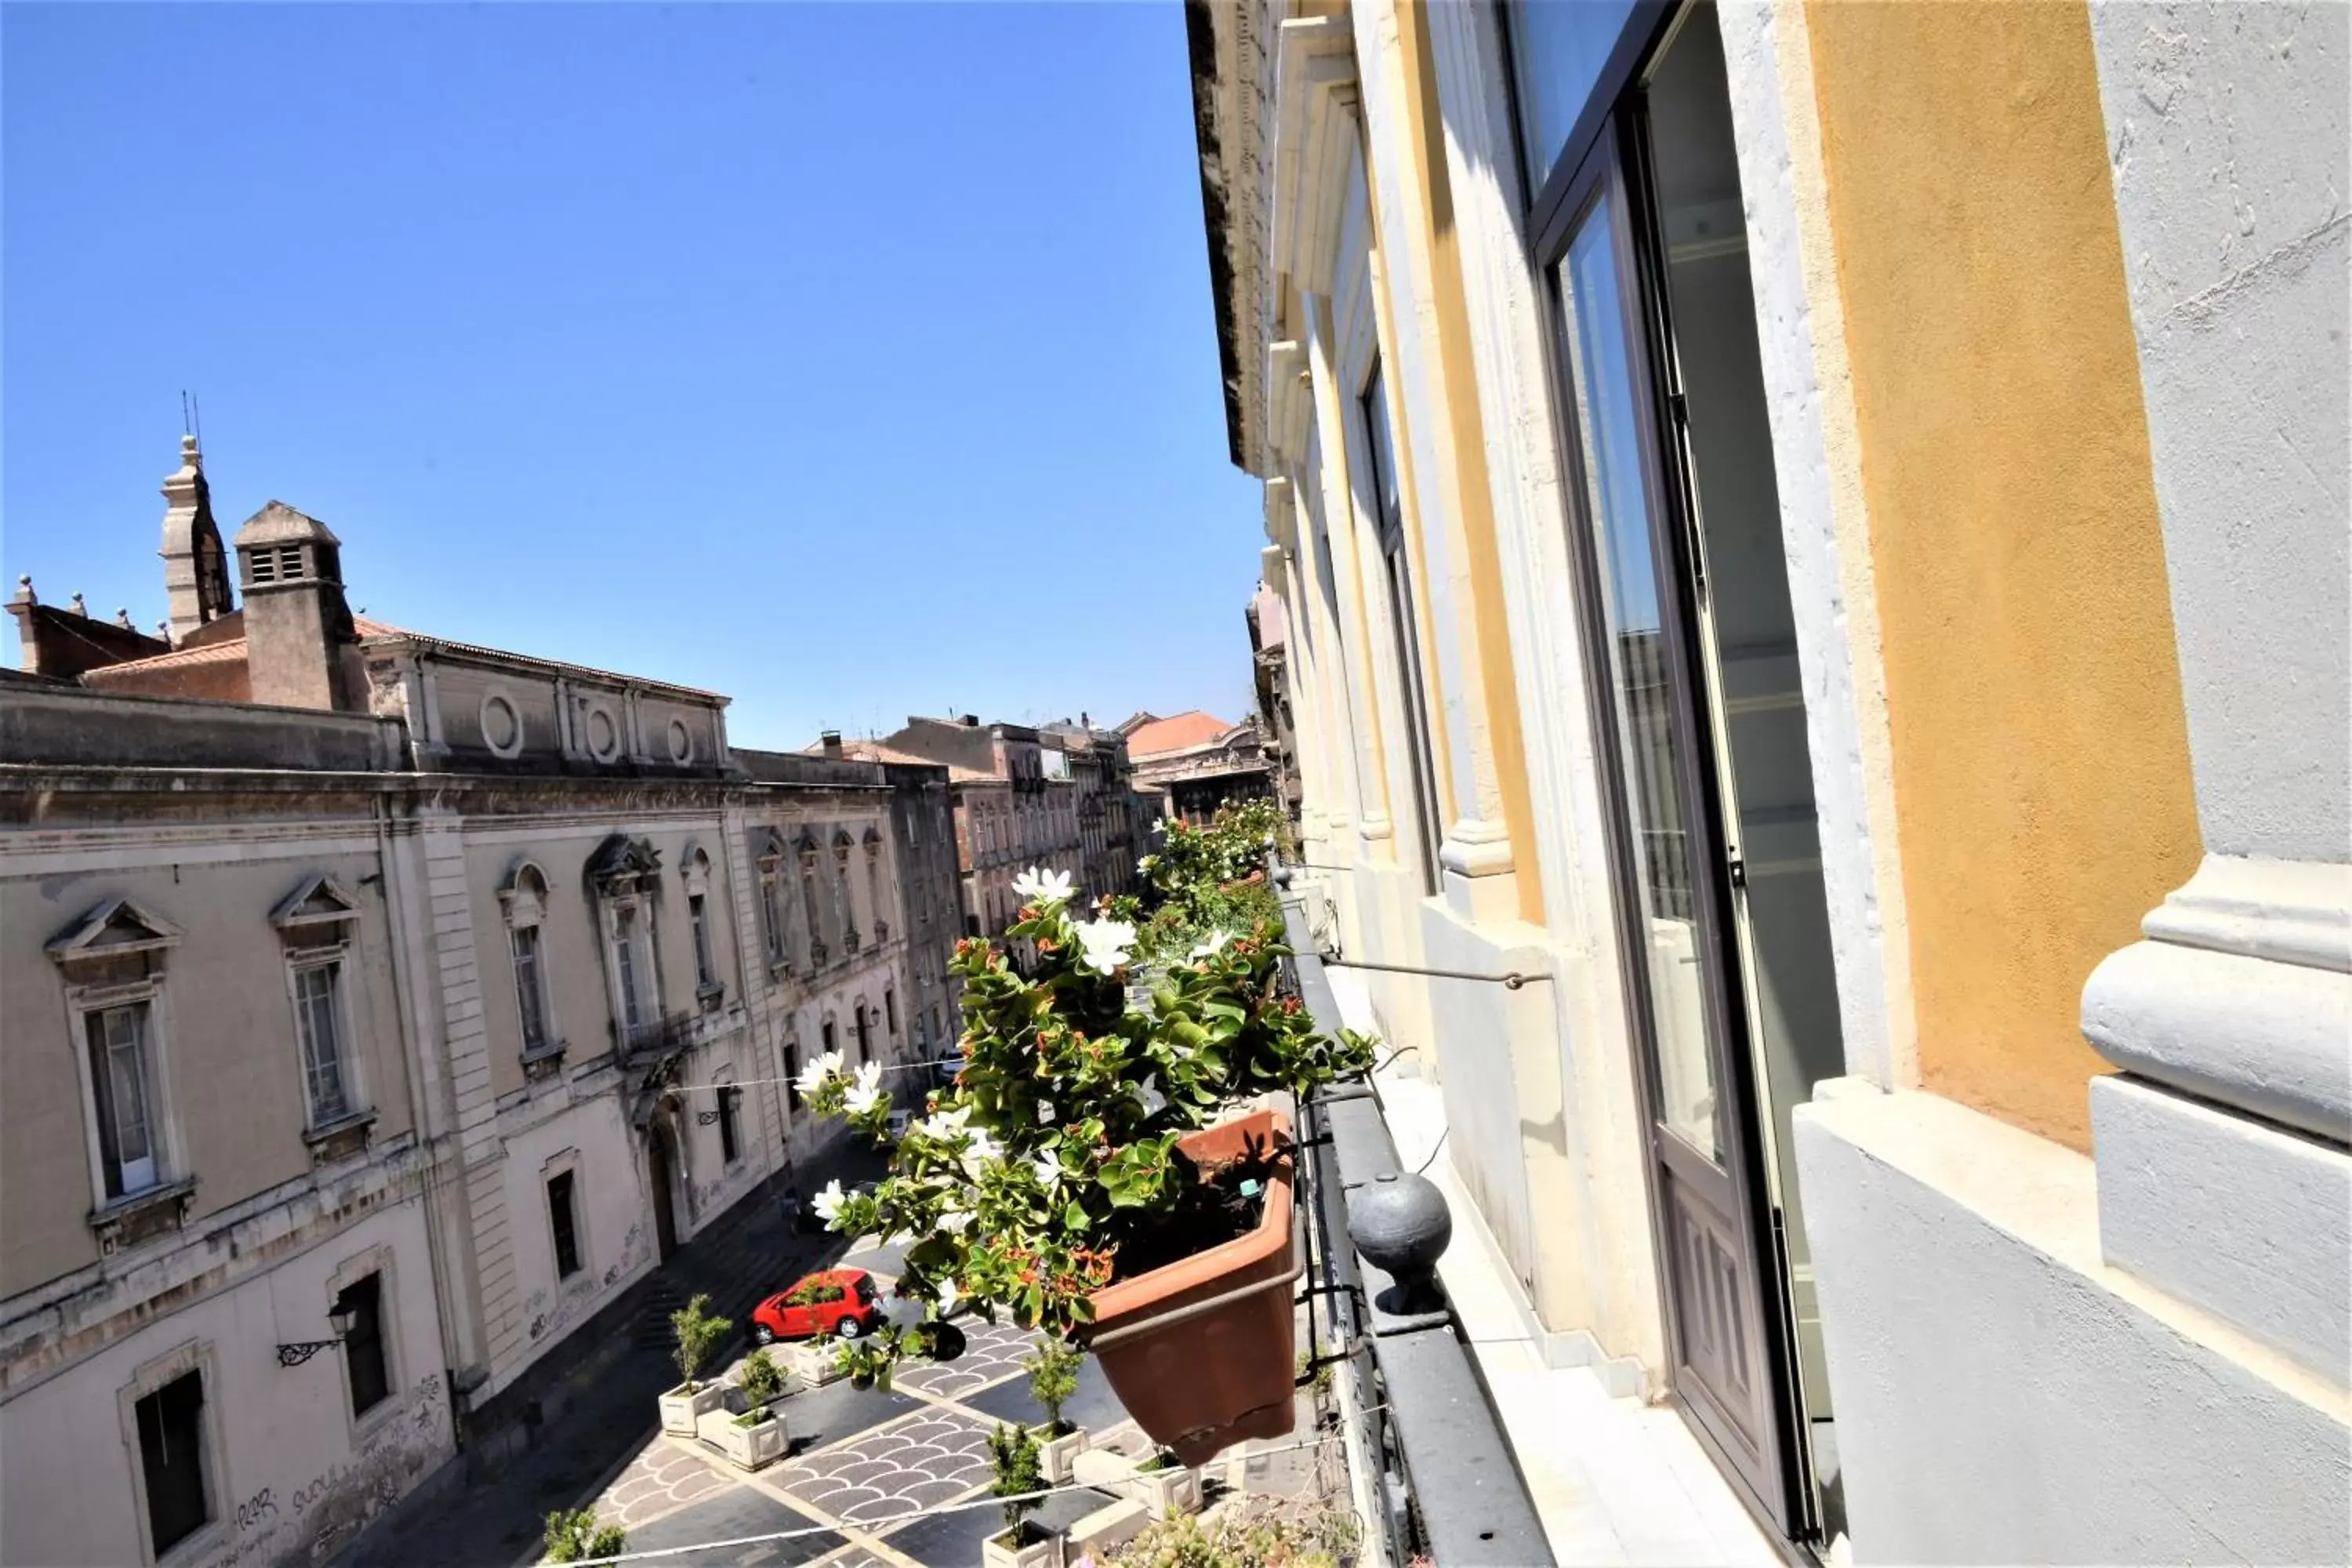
574	1536
758	1436
1053	1370
698	1332
1089	1162
1012	1460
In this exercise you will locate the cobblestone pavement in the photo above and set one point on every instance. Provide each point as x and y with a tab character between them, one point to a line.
874	1480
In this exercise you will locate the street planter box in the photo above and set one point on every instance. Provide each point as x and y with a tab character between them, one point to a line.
1031	1546
680	1409
1202	1352
1112	1525
1163	1492
746	1448
1056	1454
814	1361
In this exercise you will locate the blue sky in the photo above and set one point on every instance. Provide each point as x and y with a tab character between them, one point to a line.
852	360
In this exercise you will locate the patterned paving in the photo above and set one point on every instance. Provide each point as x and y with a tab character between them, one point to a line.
856	1557
993	1353
892	1472
657	1480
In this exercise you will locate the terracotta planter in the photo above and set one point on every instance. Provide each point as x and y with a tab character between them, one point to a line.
1205	1380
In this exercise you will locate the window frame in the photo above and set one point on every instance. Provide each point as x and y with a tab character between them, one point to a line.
523	901
1390	540
151	1377
316	924
566	1167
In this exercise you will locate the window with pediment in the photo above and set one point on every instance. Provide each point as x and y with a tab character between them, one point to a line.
625	874
115	960
523	897
319	925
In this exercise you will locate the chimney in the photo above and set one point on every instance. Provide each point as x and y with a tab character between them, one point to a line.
298	625
971	720
195	570
831	741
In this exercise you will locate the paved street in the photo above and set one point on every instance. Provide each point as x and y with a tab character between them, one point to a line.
866	1465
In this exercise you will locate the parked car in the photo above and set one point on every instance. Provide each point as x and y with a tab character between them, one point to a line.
832	1301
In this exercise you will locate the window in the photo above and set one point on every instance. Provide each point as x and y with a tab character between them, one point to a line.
706	973
841	893
122	1079
922	1035
363	1360
890	1007
530	994
1411	692
318	1018
771	916
630	963
791	1075
565	1224
171	1423
729	1150
809	908
865	1028
936	1032
826	1034
874	904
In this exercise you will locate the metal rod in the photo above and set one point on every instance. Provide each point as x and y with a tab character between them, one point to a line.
1510	980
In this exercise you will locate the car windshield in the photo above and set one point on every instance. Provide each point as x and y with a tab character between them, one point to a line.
866	1288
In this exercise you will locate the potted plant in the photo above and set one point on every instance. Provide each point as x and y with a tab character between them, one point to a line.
1053	1370
757	1436
1098	1169
1164	1486
1022	1542
697	1334
573	1536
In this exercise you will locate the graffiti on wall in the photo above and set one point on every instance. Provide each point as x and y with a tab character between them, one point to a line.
306	1525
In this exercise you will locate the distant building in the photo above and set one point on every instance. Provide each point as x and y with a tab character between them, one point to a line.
1201	761
441	997
1269	629
1098	766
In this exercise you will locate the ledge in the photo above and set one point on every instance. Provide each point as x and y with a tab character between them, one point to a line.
126	1222
339	1140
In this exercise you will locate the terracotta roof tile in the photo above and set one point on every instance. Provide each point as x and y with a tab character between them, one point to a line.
1179	733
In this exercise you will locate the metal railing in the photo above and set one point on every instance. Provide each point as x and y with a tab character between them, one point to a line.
1445	1484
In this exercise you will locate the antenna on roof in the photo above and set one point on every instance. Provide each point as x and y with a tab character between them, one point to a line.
198	404
185	428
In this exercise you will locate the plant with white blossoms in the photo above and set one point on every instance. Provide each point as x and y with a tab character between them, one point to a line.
1037	887
1015	1191
865	1092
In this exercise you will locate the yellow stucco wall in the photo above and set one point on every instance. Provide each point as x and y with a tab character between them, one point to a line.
2040	749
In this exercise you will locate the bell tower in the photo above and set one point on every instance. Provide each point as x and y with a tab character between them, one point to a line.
195	567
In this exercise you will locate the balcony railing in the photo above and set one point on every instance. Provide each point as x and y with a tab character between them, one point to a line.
657	1037
1446	1485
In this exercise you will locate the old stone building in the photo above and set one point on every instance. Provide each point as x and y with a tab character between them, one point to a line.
1199	759
1103	780
383	1011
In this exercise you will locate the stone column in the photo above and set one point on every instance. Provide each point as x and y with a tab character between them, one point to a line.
2223	1173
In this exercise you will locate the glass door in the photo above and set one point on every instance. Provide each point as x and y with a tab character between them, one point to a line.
1641	624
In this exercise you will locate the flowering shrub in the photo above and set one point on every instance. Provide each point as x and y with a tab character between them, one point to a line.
1017	1188
1205	880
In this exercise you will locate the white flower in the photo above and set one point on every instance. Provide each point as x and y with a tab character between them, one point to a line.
945	1124
1215	943
828	1202
1044	1113
1048	1166
1036	887
954	1222
1143	866
867	1092
949	1296
812	1076
979	1151
1148	1092
1106	943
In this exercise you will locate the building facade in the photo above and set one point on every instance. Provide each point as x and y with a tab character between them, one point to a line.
1269	634
370	1050
1820	530
1199	761
1103	783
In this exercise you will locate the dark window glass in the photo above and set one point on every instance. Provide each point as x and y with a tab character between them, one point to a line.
829	1044
1388	508
172	1457
567	1236
120	1074
728	1148
1559	48
890	1009
791	1075
699	919
363	1346
528	993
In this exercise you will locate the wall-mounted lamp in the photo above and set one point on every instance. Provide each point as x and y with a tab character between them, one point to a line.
342	1320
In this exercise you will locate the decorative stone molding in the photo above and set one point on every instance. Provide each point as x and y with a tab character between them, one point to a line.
124	1223
1315	100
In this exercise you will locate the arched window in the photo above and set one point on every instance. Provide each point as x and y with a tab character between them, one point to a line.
523	896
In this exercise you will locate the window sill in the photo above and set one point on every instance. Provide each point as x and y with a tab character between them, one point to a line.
711	995
341	1139
125	1222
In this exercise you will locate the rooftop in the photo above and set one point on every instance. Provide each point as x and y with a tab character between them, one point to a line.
1159	737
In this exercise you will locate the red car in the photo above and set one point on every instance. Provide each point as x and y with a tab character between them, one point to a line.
835	1301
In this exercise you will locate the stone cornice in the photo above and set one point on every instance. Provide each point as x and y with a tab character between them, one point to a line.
1314	111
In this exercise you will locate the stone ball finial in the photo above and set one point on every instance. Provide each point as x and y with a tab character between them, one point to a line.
79	608
122	617
24	589
1399	1221
188	445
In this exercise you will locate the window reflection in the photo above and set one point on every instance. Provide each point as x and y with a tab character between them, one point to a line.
1601	374
1557	48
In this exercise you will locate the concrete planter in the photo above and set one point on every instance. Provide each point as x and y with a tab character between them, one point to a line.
680	1409
1031	1546
748	1447
1057	1454
1164	1493
814	1361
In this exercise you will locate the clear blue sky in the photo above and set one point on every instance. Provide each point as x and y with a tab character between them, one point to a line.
852	360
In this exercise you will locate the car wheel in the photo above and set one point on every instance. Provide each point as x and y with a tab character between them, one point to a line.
761	1334
849	1327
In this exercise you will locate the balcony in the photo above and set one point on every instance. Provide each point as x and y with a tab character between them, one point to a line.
658	1037
1444	1482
